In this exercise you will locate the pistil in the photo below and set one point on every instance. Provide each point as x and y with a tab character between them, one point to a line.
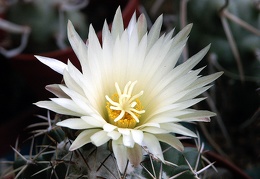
125	109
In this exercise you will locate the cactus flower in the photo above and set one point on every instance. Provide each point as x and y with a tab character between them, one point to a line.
129	90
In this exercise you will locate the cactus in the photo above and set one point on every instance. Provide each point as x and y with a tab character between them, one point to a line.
52	158
42	25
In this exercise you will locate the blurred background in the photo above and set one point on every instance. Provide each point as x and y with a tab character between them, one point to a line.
232	27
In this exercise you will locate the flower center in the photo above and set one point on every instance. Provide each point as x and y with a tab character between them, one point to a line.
124	109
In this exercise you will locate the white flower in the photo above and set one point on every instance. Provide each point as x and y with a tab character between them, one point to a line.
129	90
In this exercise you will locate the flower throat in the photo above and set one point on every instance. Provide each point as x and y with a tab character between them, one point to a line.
124	109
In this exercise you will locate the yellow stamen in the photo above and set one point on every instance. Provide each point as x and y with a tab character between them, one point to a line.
124	110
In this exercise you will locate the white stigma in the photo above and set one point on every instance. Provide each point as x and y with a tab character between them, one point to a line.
126	102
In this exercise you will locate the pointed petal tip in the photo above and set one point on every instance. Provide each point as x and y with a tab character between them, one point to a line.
118	10
207	119
58	124
160	19
40	58
51	87
220	73
72	148
91	26
217	75
181	149
206	49
69	23
35	104
142	19
141	16
39	103
189	26
118	14
70	28
117	24
54	64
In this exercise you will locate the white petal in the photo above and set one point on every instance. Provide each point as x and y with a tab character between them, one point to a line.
81	101
124	131
148	124
120	153
186	104
83	58
142	26
153	61
83	138
163	89
69	104
197	115
54	64
153	145
178	129
179	87
178	106
154	32
138	136
71	83
193	61
93	39
94	121
154	130
163	119
139	57
195	92
76	81
114	135
171	140
167	116
128	141
72	93
73	78
56	108
106	35
74	123
182	34
56	90
100	138
170	60
75	42
169	35
187	66
117	25
131	24
202	81
135	155
109	127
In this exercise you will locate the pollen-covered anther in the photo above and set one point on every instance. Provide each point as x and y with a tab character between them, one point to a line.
124	106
